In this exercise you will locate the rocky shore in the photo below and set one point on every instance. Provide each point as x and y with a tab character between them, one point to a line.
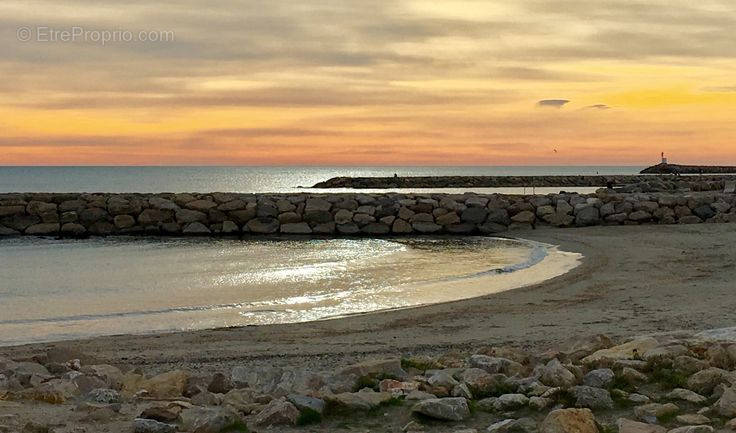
679	382
641	183
80	215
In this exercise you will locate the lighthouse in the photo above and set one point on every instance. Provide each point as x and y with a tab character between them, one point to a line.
664	160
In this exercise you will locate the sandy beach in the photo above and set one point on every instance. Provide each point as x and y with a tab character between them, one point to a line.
633	280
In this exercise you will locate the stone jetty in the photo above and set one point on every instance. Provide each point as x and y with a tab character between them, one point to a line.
677	382
349	214
647	183
665	168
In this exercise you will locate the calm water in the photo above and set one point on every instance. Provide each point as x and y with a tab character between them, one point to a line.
245	179
63	289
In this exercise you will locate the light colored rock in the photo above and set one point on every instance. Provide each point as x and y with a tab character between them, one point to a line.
55	391
539	403
443	378
207	420
420	395
692	429
704	381
509	402
623	351
521	425
632	376
446	409
277	412
686	395
569	421
165	385
555	374
363	400
693	419
141	425
653	411
629	426
726	405
661	353
495	365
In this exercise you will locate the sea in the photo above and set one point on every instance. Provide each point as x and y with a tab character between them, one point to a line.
253	179
61	289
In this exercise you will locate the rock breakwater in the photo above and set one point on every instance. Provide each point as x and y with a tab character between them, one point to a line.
644	183
79	215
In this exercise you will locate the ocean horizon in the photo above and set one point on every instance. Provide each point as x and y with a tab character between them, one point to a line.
246	179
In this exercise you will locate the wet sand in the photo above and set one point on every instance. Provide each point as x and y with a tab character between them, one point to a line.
633	280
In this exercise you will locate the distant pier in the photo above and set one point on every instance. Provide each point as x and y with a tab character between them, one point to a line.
665	168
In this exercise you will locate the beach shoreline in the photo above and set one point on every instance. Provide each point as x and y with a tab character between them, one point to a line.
605	294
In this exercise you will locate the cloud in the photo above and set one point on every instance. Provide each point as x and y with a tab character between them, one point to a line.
553	103
598	107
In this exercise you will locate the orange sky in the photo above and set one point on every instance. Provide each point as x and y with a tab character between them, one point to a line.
348	82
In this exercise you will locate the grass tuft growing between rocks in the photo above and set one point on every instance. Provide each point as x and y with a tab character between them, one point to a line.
667	418
419	364
607	428
371	381
236	427
669	379
309	416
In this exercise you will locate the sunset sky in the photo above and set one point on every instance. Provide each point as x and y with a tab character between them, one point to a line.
383	82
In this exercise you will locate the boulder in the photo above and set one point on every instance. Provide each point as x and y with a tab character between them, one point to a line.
555	374
693	419
201	205
704	381
622	351
141	425
364	400
186	216
43	229
510	402
629	426
726	405
303	402
277	412
569	421
495	365
296	228
263	225
196	228
426	227
653	411
524	217
207	420
445	409
587	216
401	227
599	378
686	395
591	397
693	429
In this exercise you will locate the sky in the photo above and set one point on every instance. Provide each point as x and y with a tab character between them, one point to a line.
355	82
